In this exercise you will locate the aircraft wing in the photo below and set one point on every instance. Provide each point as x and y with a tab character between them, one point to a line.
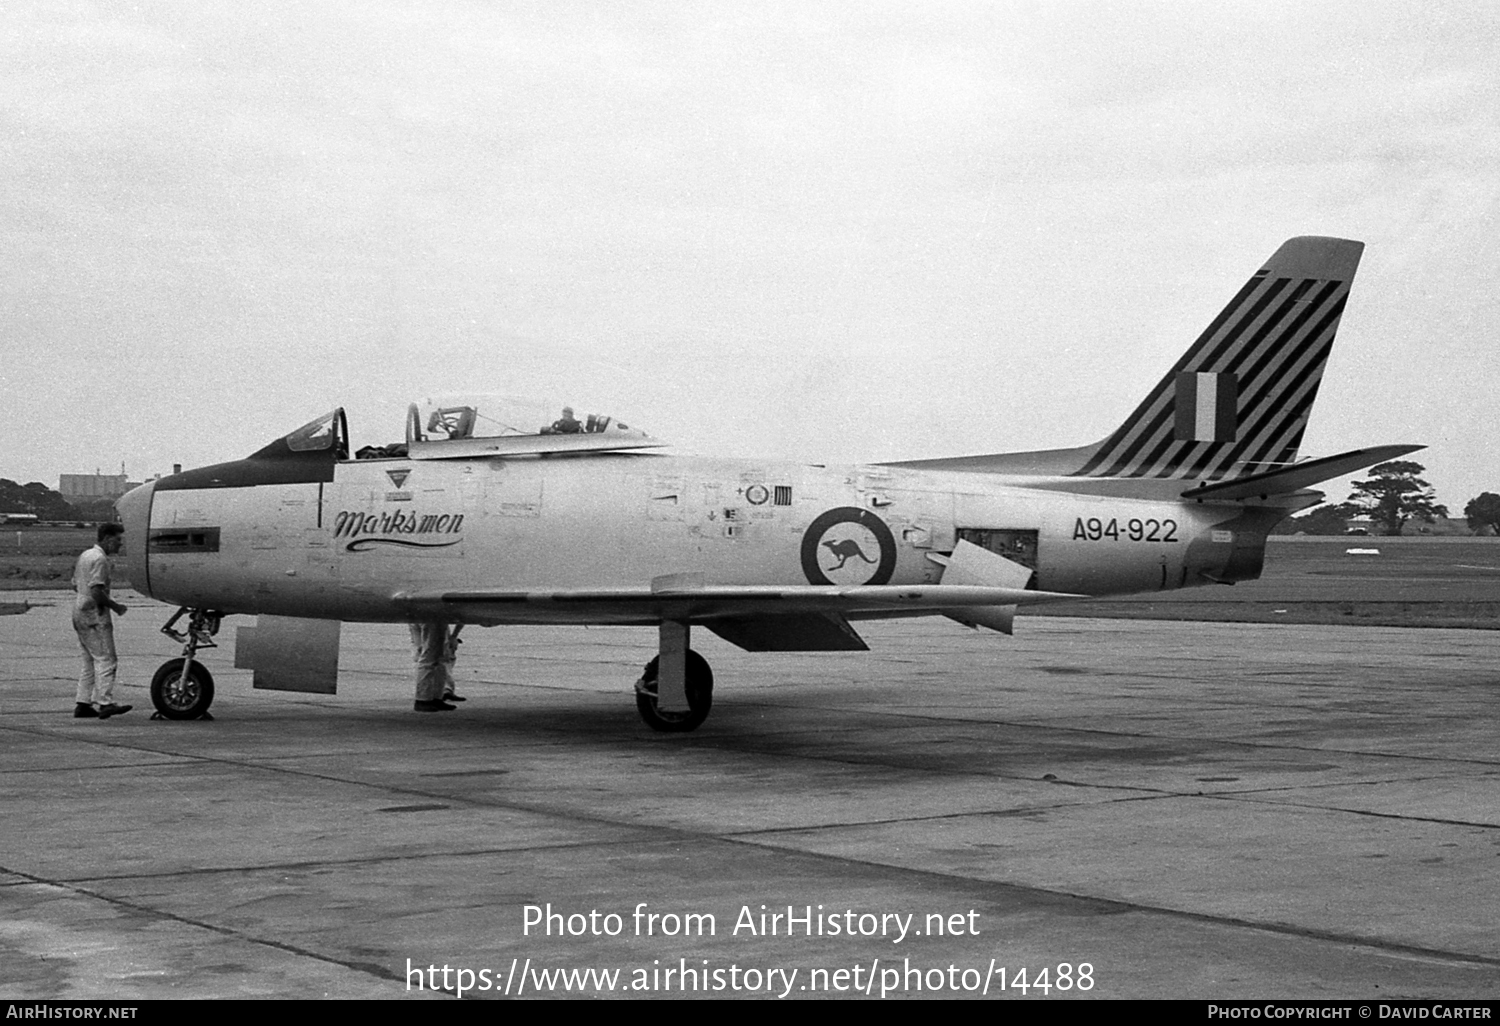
756	617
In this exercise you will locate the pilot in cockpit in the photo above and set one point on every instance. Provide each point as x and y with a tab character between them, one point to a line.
567	424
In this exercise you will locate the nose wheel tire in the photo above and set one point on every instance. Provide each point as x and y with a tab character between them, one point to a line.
700	696
182	698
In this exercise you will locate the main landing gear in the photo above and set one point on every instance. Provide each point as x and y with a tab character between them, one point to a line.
676	690
183	689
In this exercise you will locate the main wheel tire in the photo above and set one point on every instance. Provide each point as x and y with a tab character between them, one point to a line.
700	696
179	699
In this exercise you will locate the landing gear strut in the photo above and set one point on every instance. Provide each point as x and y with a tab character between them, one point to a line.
183	689
660	699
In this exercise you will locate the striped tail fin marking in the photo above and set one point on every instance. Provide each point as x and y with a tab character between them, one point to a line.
1238	401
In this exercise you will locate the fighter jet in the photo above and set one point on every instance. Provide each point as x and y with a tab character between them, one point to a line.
479	517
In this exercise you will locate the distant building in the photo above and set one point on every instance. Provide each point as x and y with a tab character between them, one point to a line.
94	486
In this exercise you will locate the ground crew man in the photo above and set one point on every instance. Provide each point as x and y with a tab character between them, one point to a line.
92	607
434	649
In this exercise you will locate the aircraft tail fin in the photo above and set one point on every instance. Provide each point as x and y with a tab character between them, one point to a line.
1238	401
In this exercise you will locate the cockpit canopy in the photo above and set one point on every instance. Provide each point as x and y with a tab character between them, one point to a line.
477	426
451	418
468	427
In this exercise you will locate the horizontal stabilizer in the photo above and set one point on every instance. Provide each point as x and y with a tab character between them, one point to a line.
1299	476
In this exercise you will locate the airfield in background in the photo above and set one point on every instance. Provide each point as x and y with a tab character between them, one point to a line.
1355	581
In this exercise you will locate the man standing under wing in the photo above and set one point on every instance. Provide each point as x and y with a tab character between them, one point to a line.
96	631
434	648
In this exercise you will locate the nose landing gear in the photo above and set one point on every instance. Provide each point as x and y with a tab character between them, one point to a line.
183	689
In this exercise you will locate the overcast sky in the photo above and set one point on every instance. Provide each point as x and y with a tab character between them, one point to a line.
822	231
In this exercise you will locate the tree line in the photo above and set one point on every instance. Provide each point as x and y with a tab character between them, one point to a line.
34	498
1395	494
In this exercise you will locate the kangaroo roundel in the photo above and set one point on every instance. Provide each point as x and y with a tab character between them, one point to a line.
848	545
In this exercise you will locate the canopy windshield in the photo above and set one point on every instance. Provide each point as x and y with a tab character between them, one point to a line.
324	433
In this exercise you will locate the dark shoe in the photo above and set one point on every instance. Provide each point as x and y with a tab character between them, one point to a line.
454	698
106	711
421	706
84	711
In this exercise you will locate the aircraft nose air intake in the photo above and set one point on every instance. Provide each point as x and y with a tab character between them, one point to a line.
134	508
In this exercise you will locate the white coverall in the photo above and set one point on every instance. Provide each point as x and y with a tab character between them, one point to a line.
434	656
96	631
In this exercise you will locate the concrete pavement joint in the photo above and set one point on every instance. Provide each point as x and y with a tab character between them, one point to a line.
361	967
91	767
370	860
1370	813
1117	906
1176	738
1029	810
531	808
